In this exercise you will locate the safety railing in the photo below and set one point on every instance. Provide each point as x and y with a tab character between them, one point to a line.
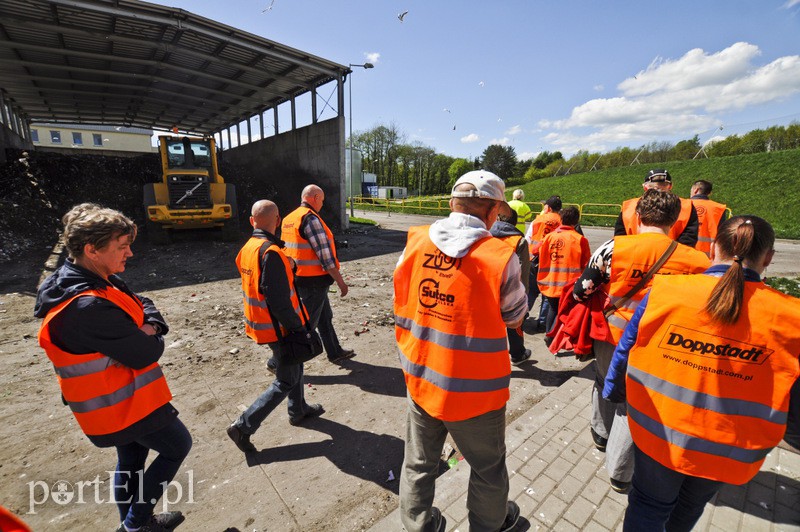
601	214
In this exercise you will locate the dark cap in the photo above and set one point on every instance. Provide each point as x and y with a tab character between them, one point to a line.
658	176
554	202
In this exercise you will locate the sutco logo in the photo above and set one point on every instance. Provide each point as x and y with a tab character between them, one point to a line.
693	342
430	296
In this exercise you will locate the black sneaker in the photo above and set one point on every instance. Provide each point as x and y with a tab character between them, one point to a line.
620	486
512	516
344	354
168	520
314	410
599	441
525	356
438	522
241	439
272	365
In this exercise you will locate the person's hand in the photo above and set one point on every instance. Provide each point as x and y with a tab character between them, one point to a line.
342	288
148	329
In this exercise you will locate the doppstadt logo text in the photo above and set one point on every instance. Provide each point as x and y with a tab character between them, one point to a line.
430	296
689	341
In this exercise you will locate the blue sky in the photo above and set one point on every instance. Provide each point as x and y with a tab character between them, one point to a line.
546	75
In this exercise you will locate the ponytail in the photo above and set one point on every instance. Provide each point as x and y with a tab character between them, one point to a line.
741	238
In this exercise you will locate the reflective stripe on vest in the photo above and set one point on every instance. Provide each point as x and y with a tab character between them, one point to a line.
692	443
709	214
708	399
105	397
451	384
632	257
632	227
257	320
298	248
452	339
117	396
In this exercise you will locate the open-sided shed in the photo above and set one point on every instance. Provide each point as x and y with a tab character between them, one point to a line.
137	64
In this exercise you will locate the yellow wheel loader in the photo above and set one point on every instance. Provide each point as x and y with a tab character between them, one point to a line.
191	194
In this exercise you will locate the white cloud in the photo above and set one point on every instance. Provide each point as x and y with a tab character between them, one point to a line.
513	130
791	3
472	137
676	96
505	141
372	57
599	88
524	156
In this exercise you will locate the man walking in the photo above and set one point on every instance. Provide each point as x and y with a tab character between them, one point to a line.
506	229
456	290
685	228
548	220
310	243
710	215
269	297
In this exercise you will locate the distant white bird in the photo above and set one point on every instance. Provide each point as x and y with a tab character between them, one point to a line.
481	83
402	15
454	128
269	7
499	119
446	110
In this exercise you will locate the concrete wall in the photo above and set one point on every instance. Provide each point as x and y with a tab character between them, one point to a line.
290	161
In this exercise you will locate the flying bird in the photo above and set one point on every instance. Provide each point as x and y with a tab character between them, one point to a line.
402	15
269	7
446	110
481	83
454	128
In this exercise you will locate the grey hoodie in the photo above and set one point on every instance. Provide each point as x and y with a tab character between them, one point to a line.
456	234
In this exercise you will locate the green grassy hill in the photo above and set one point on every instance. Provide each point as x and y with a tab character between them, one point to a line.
763	184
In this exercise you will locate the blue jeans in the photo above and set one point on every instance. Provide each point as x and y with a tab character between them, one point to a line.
172	443
288	383
320	315
664	499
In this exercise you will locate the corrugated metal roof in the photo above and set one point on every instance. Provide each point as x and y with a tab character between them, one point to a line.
132	63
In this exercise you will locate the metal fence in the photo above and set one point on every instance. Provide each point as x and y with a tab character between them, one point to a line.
603	214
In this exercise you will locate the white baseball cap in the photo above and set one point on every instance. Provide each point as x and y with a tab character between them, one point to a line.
487	185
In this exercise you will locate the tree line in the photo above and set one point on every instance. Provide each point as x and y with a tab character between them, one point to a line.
419	168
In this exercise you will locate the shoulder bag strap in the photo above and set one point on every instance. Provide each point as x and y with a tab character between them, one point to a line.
643	281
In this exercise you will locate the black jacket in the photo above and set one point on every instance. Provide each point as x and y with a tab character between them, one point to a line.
96	325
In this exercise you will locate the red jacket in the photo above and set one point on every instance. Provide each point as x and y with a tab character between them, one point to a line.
579	323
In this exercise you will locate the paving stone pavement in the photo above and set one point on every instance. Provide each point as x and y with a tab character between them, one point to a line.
559	479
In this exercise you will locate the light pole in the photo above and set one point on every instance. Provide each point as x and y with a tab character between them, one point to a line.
703	147
350	142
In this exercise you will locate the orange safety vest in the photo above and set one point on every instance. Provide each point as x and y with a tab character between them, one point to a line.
105	397
707	399
541	225
632	257
632	227
257	321
709	213
561	259
297	247
452	338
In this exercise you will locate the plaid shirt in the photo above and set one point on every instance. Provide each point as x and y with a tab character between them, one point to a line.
313	231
